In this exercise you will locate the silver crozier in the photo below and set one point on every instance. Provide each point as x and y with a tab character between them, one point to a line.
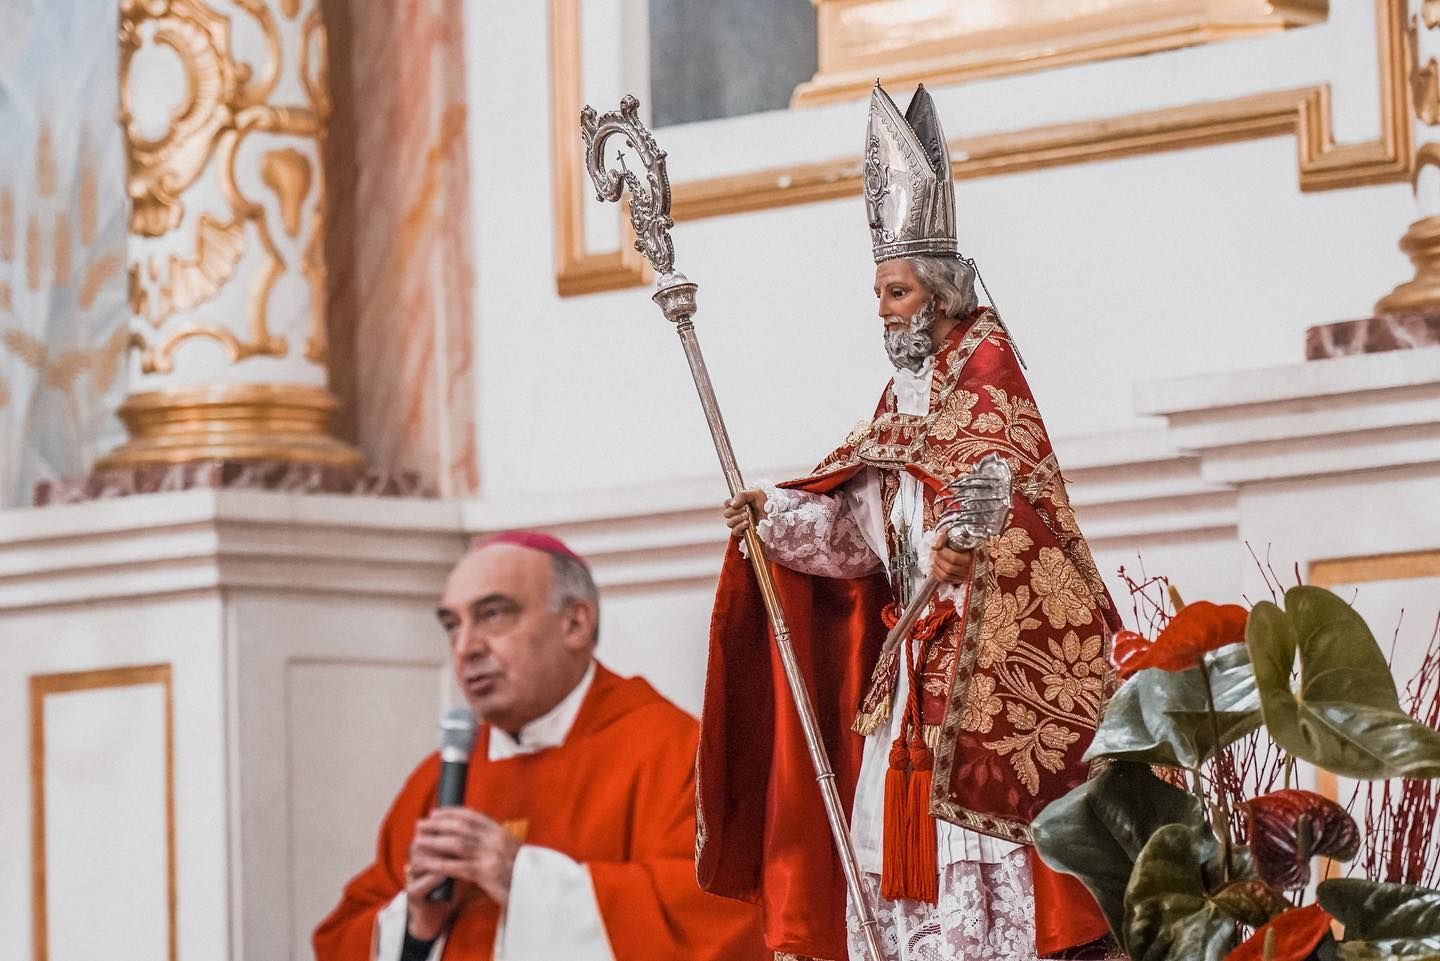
650	216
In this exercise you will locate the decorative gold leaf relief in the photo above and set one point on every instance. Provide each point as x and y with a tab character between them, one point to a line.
287	173
34	254
60	274
1424	78
46	172
107	357
89	204
29	349
95	277
161	359
218	249
317	345
67	367
136	295
7	225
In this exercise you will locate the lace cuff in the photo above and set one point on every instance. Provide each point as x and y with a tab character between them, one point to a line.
814	534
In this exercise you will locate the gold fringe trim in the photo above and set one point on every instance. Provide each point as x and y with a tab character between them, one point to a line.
866	722
931	733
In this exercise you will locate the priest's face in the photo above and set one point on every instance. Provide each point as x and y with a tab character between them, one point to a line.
515	654
905	307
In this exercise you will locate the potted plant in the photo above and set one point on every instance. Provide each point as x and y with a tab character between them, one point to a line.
1183	868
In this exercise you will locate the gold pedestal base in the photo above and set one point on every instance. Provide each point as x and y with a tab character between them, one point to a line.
235	422
1421	295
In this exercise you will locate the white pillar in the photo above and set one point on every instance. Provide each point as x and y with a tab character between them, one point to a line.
223	106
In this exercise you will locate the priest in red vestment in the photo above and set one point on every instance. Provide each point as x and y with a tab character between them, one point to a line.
576	837
948	747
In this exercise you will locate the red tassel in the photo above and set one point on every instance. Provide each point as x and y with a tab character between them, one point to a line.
924	869
897	831
908	867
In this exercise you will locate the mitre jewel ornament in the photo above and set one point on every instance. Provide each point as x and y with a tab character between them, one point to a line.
909	192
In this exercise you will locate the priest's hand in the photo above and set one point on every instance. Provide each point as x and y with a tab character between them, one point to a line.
738	510
465	845
425	919
950	565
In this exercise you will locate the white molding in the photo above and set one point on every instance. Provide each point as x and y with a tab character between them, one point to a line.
205	540
1335	416
1220	433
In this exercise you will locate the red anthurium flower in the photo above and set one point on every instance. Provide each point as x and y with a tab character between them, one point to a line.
1288	828
1292	936
1125	649
1195	629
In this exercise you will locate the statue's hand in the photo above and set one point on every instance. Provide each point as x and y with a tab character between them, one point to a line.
739	510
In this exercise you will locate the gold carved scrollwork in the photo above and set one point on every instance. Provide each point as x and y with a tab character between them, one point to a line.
218	248
1424	79
161	170
315	64
287	173
224	102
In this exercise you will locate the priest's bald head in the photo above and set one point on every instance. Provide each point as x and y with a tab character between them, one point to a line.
522	615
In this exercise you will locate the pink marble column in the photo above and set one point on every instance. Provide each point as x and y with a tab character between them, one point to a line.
399	250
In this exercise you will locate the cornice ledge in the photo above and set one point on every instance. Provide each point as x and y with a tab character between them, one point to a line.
1301	420
233	540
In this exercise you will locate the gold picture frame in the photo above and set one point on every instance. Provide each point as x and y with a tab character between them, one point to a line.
1304	112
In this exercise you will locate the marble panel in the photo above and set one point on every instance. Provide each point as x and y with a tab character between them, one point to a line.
401	269
1372	335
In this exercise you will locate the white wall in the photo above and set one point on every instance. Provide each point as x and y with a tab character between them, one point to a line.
1109	273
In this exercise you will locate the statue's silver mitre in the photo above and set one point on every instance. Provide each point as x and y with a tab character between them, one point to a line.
909	192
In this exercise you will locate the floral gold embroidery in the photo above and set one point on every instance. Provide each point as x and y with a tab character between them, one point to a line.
989	423
1077	672
857	433
1002	623
981	706
1035	742
956	415
1064	596
1006	549
1023	425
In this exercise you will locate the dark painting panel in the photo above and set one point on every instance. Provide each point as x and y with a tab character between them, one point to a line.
725	58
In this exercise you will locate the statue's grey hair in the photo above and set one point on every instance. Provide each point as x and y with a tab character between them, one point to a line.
570	581
950	280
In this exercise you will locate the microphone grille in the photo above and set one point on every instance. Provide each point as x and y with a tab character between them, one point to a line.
457	734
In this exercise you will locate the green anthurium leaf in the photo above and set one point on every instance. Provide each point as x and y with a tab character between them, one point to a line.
1411	949
1169	912
1098	830
1162	717
1251	902
1377	911
1346	716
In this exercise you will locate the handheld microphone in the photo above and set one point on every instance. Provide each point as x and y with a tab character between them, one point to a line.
457	740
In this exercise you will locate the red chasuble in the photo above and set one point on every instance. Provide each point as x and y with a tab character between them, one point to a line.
1012	690
617	796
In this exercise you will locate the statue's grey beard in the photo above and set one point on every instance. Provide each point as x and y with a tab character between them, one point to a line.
909	347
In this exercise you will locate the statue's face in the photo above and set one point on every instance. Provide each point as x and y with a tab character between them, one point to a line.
899	292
